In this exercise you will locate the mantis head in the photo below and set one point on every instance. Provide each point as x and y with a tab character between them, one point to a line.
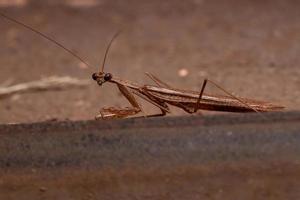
102	77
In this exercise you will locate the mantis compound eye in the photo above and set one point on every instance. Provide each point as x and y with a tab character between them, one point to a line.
95	76
107	76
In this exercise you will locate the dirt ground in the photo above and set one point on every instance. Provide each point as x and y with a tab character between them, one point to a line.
249	47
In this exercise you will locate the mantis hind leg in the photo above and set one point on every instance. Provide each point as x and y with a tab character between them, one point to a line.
200	95
225	91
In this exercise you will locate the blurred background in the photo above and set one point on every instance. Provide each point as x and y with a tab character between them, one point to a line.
251	48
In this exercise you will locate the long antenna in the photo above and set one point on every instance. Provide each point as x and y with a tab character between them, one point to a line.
46	37
107	49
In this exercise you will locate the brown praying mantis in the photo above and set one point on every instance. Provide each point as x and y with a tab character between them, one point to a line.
161	95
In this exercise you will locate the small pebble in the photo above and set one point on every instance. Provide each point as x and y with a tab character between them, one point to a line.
183	72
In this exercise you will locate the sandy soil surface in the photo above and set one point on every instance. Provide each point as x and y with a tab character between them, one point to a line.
249	47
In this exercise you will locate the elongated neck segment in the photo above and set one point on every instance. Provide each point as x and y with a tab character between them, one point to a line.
126	83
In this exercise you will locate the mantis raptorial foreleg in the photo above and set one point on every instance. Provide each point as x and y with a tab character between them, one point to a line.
112	112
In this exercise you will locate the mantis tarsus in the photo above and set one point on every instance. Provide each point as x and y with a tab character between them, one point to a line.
162	94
